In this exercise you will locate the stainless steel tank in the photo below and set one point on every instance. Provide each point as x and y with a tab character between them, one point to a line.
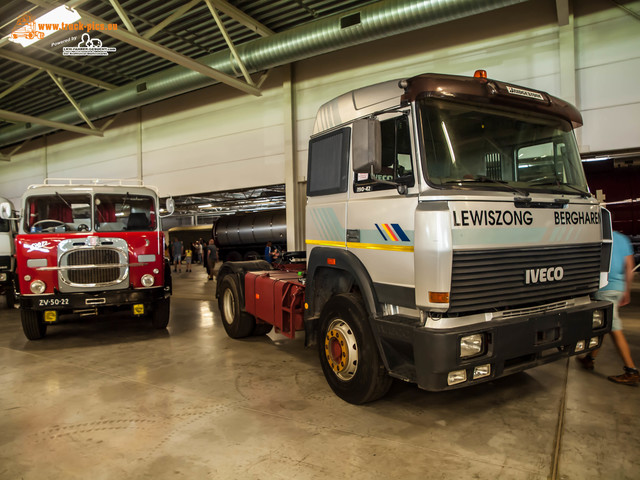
252	229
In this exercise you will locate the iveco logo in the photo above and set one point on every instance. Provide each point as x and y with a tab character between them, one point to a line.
540	275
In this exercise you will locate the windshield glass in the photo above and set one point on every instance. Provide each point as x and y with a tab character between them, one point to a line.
124	212
58	213
475	145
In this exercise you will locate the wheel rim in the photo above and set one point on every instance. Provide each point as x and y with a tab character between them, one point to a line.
341	350
229	306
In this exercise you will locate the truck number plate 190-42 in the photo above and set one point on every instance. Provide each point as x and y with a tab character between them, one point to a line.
53	302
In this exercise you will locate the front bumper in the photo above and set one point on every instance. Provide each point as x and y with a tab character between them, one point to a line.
78	302
512	345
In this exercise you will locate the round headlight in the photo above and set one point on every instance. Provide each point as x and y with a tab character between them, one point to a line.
147	280
38	287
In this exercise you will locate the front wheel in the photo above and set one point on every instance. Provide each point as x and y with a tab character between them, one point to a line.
33	324
161	312
348	352
237	324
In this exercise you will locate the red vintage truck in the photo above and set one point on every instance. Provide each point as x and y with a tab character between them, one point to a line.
86	247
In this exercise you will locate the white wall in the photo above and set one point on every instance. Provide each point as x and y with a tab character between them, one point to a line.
219	139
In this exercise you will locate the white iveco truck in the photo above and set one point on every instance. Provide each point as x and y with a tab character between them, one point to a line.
451	239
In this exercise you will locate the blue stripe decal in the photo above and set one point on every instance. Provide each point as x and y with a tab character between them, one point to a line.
400	232
383	236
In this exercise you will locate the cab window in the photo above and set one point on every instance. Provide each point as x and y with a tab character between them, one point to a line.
397	164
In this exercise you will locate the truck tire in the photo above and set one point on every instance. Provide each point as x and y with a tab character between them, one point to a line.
161	312
261	329
33	324
348	351
237	324
11	297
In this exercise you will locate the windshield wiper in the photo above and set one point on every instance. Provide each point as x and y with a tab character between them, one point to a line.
483	179
63	199
558	183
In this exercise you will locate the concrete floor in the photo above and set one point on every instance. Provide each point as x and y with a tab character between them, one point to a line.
111	398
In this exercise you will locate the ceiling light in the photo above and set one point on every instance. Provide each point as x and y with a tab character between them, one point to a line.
28	31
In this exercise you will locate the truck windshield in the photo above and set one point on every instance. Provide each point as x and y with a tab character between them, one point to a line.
476	146
124	212
58	213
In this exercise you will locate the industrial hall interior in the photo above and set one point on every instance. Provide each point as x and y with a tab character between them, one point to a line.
300	239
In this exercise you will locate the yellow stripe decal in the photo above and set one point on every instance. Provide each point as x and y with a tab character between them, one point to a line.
325	243
378	246
369	246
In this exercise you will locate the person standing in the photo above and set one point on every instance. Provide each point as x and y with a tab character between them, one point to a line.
211	255
177	255
201	251
618	291
187	259
270	253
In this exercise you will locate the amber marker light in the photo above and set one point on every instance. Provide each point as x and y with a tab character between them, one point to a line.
438	297
480	74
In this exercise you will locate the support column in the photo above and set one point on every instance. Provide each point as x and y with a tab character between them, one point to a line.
567	57
139	143
295	197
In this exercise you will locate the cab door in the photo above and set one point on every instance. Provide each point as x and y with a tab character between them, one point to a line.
380	216
327	189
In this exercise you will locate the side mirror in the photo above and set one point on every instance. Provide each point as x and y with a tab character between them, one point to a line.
5	211
367	146
170	206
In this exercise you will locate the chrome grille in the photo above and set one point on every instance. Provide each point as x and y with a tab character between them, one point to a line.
87	276
487	279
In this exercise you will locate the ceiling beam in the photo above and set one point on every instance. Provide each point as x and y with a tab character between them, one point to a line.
19	83
171	55
242	18
63	72
170	19
230	44
19	117
123	16
58	82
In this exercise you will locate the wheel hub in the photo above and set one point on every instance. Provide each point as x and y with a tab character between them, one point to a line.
228	302
341	350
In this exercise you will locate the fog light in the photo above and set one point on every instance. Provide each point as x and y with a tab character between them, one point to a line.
457	376
471	345
37	287
580	346
594	342
147	280
598	318
482	371
3	277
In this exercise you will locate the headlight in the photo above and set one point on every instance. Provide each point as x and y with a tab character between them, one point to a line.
471	345
147	280
457	376
598	318
38	287
3	277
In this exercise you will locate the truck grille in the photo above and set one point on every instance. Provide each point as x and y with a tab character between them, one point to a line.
88	276
487	279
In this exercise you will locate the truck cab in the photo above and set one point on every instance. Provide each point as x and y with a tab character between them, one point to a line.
86	247
454	213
